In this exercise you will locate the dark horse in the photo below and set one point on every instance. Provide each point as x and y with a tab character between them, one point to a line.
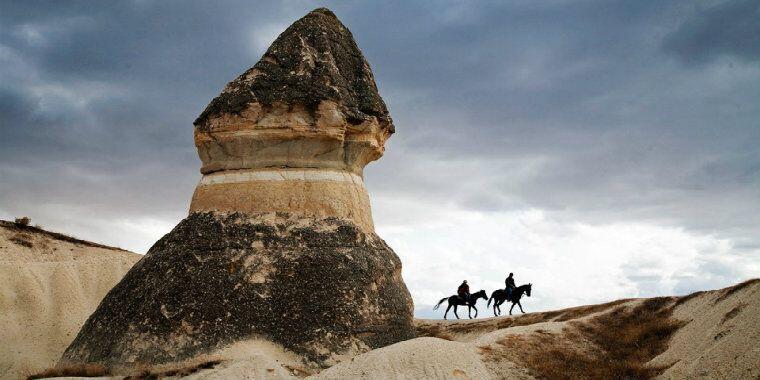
456	301
500	295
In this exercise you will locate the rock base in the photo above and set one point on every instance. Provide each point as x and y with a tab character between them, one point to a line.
321	288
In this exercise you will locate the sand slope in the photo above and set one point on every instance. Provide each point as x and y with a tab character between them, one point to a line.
715	336
49	285
721	339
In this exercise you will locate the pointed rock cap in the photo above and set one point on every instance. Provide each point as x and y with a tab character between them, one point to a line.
314	60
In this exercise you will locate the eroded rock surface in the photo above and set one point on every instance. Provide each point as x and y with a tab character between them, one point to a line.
280	243
314	60
294	132
322	288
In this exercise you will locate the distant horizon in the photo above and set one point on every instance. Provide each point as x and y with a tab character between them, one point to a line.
599	150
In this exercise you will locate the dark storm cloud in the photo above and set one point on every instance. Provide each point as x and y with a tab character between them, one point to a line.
576	107
729	28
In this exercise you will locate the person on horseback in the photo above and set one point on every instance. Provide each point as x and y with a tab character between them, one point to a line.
510	284
463	291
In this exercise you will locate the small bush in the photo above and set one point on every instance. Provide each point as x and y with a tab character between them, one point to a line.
22	221
622	341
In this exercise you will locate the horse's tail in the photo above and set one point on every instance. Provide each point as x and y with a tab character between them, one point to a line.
439	303
490	299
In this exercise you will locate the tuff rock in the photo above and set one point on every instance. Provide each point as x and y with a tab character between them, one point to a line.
279	244
321	288
294	132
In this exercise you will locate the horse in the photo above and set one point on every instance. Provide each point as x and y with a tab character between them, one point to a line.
457	301
500	295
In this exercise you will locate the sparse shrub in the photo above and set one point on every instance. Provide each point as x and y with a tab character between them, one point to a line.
583	311
686	298
22	240
78	370
178	372
622	341
22	221
727	292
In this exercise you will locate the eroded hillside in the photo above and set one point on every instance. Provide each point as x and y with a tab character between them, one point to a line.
709	334
49	285
706	334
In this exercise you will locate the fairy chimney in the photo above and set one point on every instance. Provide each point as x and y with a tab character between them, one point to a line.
279	243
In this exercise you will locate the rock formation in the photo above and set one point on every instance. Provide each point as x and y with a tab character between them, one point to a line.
279	243
294	132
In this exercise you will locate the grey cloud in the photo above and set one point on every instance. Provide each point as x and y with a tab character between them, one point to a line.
729	28
576	107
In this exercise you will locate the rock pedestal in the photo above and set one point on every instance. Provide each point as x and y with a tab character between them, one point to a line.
279	243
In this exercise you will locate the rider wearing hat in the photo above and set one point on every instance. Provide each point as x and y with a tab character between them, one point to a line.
464	291
510	284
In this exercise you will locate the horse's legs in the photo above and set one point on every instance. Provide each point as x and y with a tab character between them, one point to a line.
499	309
494	310
510	309
476	311
455	311
518	304
447	311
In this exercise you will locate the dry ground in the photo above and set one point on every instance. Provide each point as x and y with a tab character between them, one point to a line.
49	285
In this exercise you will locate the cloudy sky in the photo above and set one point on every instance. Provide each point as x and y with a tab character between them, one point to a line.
598	149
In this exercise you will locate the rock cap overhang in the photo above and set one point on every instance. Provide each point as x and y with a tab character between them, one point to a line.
310	104
314	60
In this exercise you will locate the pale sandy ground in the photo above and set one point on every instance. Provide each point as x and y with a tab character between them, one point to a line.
48	288
706	347
722	339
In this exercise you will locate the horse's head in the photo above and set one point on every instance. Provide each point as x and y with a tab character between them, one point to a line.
481	293
527	292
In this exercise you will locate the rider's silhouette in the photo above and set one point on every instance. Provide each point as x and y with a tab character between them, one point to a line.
510	284
463	291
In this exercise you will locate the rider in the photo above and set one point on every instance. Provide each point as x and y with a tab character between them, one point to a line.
463	291
510	284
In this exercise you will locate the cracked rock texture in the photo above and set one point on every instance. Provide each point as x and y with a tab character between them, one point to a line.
321	288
